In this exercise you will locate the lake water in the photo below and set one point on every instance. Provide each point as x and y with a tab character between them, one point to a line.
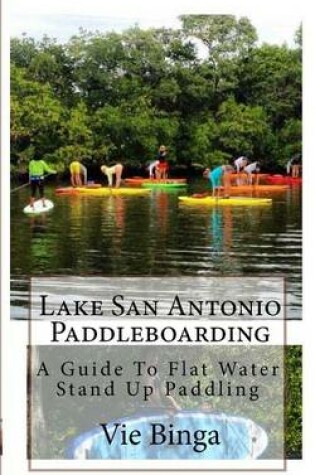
154	236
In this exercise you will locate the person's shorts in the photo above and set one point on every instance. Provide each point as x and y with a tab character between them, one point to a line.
75	168
37	183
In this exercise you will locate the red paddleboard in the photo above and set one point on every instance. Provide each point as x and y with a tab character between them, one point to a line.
283	180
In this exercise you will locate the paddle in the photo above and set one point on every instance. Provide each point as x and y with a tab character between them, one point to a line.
26	184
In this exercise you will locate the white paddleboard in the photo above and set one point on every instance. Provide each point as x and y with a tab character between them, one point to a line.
38	207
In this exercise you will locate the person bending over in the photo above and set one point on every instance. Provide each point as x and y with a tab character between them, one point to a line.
152	167
240	163
111	171
218	177
78	174
251	169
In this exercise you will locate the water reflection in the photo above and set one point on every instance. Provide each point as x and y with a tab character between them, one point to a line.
154	235
221	226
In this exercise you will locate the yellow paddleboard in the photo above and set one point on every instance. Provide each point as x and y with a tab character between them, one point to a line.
233	201
112	191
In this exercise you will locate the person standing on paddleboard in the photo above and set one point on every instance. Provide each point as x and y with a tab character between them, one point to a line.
218	176
114	170
162	167
37	169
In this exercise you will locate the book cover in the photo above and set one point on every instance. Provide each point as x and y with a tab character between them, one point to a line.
154	264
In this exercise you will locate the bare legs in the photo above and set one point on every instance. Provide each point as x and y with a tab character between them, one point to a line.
295	171
76	179
226	185
119	170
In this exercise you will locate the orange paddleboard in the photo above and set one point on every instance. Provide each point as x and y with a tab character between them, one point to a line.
138	181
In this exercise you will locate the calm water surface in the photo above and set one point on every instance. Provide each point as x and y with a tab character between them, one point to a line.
154	235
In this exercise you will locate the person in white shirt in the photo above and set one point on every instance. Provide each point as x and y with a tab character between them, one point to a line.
250	170
151	168
240	163
114	170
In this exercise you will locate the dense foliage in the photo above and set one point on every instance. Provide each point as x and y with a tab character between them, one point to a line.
207	90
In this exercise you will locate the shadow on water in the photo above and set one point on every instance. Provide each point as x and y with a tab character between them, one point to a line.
154	235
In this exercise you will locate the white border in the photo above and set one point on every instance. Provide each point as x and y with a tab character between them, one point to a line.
13	339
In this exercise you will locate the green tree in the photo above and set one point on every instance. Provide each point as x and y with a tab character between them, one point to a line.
225	38
242	129
298	39
22	51
119	95
76	135
271	78
97	67
35	117
289	140
132	131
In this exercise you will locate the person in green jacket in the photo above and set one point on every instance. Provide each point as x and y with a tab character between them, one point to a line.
37	169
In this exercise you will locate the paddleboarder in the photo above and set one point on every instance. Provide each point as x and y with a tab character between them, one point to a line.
250	169
162	166
111	171
151	168
220	175
37	169
78	174
294	165
240	163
